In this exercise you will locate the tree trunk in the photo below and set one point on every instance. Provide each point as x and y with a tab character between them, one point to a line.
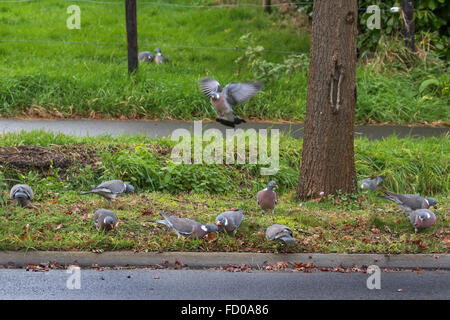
131	25
267	7
408	21
328	154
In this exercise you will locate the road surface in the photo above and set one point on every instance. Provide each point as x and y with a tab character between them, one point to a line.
152	284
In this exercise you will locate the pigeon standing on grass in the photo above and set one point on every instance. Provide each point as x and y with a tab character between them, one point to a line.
409	202
146	56
230	220
22	194
186	227
372	183
224	100
280	232
422	219
159	57
111	189
105	219
267	198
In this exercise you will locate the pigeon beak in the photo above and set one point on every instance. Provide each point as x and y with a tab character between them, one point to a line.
219	223
276	186
436	207
112	226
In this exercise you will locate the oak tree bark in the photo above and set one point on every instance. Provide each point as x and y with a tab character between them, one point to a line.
328	154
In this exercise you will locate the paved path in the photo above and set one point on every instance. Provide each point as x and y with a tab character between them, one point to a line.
213	285
165	128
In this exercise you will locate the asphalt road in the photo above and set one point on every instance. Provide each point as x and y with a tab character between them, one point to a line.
166	128
148	284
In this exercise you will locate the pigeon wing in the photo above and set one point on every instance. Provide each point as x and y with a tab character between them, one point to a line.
239	92
208	86
113	186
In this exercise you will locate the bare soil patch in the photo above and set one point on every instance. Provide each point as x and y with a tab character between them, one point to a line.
44	158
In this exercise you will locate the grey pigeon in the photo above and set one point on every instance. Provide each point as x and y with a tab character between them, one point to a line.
186	227
409	202
146	56
22	194
372	183
421	219
159	57
280	232
105	219
230	220
111	189
267	198
224	100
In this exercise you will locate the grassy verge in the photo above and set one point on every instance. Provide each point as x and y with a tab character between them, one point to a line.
90	79
59	167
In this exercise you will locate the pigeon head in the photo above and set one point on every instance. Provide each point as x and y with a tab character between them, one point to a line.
129	188
210	228
109	222
215	96
272	185
432	202
221	222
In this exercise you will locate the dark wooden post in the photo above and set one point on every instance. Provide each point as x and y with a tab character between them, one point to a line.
130	12
408	20
267	7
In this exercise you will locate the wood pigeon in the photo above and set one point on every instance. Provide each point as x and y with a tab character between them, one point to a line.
159	57
422	218
230	220
22	194
186	227
280	232
146	56
105	219
267	198
409	202
111	189
224	100
372	183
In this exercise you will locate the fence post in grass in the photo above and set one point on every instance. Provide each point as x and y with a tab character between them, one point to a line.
131	22
408	21
266	6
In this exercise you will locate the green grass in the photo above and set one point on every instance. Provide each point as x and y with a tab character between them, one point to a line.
62	219
56	79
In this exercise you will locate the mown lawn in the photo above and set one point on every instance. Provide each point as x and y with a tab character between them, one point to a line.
62	166
47	70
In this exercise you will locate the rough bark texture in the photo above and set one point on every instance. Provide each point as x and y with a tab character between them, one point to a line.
408	21
131	24
328	153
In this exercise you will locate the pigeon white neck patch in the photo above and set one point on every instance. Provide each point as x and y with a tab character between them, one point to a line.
204	228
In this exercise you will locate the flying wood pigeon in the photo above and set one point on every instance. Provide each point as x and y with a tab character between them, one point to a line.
224	100
105	219
186	227
280	232
146	56
422	218
22	194
267	198
230	220
409	202
372	183
159	57
111	189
